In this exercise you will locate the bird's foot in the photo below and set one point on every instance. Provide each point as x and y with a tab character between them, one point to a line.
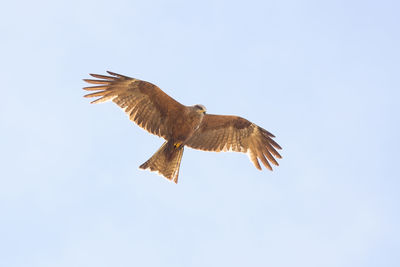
178	144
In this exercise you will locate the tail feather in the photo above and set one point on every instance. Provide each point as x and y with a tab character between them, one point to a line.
166	161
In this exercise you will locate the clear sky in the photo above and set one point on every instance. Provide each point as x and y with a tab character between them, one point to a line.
323	76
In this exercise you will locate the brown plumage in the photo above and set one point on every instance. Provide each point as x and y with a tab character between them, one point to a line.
155	111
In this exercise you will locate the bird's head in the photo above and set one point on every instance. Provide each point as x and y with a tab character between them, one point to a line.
200	109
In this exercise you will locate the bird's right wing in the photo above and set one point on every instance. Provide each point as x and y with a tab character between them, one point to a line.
233	133
145	103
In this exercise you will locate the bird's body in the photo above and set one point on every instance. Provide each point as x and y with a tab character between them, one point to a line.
186	124
155	111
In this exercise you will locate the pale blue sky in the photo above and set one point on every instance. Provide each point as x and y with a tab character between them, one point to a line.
323	76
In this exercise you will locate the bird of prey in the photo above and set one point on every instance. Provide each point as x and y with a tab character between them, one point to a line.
158	113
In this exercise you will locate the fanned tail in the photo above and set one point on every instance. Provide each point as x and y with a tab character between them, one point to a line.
166	161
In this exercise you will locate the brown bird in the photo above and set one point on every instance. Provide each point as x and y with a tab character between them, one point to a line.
155	111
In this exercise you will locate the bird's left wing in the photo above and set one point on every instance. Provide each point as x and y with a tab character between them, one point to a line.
232	133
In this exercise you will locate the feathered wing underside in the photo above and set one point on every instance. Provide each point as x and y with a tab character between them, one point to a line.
232	133
145	103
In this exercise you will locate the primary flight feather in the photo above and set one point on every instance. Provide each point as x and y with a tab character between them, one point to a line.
158	113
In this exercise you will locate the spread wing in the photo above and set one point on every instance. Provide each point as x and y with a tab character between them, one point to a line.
232	133
145	103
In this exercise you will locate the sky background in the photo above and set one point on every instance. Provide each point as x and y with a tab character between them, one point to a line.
323	76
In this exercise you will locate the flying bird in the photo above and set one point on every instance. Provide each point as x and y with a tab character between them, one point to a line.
158	113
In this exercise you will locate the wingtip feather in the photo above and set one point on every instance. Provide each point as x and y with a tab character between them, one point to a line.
116	74
97	81
99	76
265	161
95	88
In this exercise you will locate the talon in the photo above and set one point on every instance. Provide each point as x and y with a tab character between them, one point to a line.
176	145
